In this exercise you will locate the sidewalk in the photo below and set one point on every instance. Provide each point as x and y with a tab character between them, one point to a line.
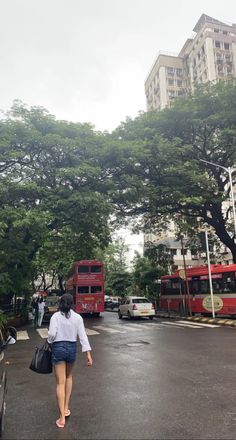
207	320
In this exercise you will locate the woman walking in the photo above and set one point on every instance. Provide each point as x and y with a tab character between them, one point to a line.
64	329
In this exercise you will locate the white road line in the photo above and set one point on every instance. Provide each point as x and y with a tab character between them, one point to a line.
43	332
201	324
158	325
137	326
124	327
22	335
91	332
106	329
183	325
172	324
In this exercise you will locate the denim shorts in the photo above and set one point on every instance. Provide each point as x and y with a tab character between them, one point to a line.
64	351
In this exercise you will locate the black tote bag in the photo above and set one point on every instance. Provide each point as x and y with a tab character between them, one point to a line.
42	360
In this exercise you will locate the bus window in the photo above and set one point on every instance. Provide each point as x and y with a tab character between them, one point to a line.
217	286
96	289
83	289
171	287
229	282
205	288
83	269
96	269
194	287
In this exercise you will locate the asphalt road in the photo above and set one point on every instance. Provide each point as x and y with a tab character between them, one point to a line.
150	380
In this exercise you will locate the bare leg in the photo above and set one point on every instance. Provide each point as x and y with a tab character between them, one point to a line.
60	373
68	386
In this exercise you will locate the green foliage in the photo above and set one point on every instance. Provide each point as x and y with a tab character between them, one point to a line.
53	195
117	277
165	179
146	274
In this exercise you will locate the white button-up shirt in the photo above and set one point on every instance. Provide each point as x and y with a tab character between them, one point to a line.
68	329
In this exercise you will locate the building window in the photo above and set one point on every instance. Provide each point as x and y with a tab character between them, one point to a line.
216	30
226	46
170	82
179	72
217	43
225	32
183	251
179	83
173	252
170	71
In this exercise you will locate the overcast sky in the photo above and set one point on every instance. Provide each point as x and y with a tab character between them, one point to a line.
87	60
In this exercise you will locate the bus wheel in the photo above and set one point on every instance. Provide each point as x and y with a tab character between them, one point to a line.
150	317
119	315
97	314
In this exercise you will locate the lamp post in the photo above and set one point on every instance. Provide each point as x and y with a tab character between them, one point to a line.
209	274
186	277
229	171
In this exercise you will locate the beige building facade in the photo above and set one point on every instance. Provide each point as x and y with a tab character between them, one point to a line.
209	55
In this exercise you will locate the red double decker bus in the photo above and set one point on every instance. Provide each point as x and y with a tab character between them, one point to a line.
86	283
175	296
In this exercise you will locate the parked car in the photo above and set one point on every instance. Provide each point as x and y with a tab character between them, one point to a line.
136	306
51	306
111	302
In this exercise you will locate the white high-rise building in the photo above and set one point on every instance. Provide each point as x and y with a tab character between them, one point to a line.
208	56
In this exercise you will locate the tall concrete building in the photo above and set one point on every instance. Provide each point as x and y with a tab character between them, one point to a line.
208	56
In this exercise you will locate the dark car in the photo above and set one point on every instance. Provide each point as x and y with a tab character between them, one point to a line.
112	303
51	306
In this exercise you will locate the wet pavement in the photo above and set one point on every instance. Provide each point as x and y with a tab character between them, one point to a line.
150	380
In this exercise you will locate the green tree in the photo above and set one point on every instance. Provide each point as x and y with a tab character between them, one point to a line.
146	274
53	196
117	276
165	179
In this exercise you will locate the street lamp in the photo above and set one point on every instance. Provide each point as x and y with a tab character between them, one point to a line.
209	274
229	170
185	276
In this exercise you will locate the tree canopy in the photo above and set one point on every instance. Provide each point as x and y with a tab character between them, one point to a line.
63	185
165	178
53	196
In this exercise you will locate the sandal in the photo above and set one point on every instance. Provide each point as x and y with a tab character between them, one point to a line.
60	424
67	413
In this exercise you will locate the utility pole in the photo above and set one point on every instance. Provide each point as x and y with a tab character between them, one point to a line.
186	277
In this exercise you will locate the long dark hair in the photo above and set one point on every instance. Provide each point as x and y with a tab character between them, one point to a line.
66	304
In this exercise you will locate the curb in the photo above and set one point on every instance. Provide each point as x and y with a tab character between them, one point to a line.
218	321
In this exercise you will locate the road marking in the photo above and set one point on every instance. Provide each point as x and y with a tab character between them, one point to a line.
91	332
158	324
107	329
22	335
183	325
172	324
125	327
43	332
137	326
201	324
